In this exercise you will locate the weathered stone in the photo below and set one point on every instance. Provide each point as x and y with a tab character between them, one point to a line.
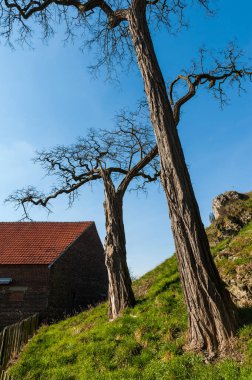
221	200
232	213
245	217
229	226
240	285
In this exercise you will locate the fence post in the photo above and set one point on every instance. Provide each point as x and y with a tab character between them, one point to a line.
12	340
2	347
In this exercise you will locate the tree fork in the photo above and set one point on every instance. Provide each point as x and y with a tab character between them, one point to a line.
212	314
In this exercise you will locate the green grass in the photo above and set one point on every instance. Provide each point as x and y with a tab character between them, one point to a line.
146	342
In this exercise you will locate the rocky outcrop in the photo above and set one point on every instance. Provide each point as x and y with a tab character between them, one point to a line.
230	213
219	202
238	281
240	285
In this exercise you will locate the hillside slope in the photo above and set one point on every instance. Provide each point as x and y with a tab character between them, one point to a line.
147	341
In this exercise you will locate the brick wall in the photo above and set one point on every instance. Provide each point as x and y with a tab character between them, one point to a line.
26	295
79	276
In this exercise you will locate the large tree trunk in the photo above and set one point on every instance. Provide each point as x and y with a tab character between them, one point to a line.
120	292
212	315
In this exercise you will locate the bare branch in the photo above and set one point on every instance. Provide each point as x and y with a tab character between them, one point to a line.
227	68
183	99
114	17
116	157
102	20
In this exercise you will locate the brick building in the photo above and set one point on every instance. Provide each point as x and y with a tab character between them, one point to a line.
49	267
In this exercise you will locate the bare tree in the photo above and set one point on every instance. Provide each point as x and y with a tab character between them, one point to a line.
116	158
120	26
212	314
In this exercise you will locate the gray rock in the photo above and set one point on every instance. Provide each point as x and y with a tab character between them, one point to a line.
221	200
241	285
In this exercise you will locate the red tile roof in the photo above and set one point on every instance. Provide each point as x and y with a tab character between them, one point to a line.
37	242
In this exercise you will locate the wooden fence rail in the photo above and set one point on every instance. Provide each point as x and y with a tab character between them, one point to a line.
12	340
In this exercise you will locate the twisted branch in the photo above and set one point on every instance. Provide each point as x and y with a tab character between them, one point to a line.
230	71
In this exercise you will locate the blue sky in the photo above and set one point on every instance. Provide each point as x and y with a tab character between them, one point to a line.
48	97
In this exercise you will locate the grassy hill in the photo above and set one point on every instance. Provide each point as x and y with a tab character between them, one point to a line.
147	341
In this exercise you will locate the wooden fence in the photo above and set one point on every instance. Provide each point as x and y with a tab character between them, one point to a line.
12	340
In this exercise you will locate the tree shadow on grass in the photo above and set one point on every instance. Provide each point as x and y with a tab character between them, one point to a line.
152	293
245	315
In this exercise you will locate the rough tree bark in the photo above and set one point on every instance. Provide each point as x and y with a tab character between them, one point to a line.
120	292
212	315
